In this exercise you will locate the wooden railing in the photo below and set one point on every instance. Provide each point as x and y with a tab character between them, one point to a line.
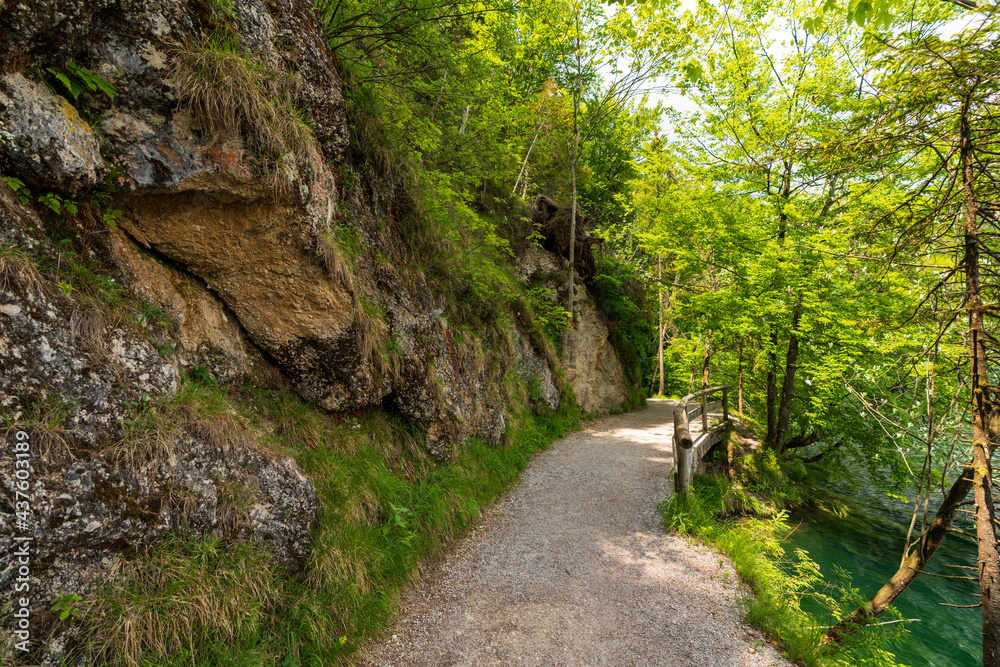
689	451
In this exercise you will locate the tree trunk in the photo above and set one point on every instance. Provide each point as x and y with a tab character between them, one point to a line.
465	119
739	382
693	369
524	165
705	359
913	563
772	370
788	385
772	391
572	172
659	356
982	448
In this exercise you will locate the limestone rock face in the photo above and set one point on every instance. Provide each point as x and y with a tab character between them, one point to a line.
208	333
270	268
71	384
49	145
251	255
53	352
537	374
231	243
592	365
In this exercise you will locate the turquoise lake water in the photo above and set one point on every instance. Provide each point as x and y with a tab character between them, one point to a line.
869	545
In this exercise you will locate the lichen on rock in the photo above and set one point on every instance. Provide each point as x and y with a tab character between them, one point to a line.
51	146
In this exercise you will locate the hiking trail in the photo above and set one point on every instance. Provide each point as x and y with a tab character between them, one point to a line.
572	568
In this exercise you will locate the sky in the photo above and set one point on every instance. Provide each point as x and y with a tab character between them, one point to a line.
686	105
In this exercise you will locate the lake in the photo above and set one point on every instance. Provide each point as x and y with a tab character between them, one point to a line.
869	545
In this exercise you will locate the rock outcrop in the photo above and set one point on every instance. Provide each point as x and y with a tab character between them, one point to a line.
100	473
247	237
591	364
51	146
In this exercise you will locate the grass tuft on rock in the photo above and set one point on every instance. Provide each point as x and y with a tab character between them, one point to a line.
232	91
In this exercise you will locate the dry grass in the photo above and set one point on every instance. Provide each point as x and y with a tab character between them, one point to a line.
158	431
233	512
336	265
221	432
234	93
151	436
16	269
371	333
330	567
86	328
51	442
177	596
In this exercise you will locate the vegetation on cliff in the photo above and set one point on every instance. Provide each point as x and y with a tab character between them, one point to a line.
290	354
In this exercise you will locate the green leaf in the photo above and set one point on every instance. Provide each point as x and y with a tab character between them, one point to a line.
73	88
106	87
52	201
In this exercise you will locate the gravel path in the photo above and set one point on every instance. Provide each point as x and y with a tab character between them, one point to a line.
572	568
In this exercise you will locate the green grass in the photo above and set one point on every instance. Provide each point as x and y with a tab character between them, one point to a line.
61	266
776	583
386	507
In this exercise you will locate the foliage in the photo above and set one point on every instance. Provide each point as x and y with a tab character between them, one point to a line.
455	146
623	294
778	484
19	188
225	8
548	314
65	604
57	204
78	79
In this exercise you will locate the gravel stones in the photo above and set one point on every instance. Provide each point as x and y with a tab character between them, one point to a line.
573	568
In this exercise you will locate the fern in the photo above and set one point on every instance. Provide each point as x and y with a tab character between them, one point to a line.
77	79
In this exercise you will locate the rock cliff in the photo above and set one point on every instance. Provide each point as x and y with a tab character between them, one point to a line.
153	230
591	364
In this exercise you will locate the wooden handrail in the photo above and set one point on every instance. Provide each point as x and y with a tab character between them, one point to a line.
684	457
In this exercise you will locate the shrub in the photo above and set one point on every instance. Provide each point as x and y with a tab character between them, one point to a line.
549	315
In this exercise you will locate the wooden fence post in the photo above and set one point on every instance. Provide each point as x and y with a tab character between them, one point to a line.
686	454
684	468
704	413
